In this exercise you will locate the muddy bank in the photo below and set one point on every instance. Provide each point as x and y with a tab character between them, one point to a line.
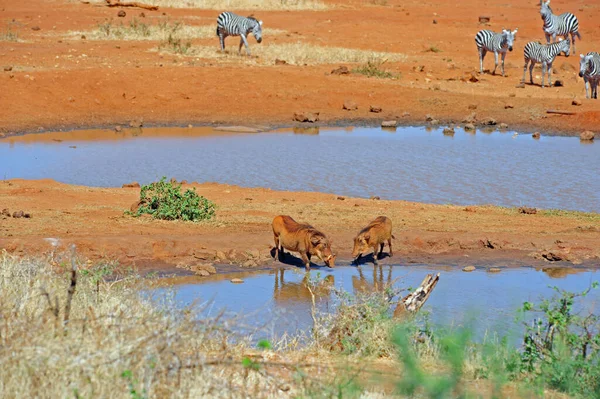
93	219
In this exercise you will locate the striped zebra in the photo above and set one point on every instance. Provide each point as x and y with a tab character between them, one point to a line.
487	40
560	25
544	54
230	24
589	69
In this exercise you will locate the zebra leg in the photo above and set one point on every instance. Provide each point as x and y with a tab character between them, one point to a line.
554	38
222	41
587	86
495	62
549	75
544	71
503	56
531	72
482	53
524	71
245	43
572	42
547	38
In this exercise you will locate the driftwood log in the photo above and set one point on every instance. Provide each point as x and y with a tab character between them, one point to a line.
555	111
119	3
411	303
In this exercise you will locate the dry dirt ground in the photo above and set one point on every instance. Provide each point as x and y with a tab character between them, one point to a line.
94	220
54	78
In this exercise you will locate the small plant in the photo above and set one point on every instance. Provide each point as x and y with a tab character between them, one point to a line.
139	28
433	49
176	45
165	200
373	68
106	28
9	36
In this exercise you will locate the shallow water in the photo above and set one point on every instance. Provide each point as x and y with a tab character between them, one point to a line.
408	163
279	300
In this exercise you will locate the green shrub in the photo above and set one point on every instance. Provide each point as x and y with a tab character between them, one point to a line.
165	200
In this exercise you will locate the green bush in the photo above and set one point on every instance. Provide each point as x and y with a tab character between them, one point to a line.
165	200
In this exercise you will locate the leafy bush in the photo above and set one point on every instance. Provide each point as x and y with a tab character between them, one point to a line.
165	200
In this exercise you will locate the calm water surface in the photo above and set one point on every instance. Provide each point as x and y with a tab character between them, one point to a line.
279	300
410	163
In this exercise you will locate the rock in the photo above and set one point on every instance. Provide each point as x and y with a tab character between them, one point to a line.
503	126
142	15
83	37
121	14
389	124
576	102
136	123
207	267
448	131
131	185
470	208
236	280
468	268
494	270
350	105
27	215
343	70
18	214
536	135
428	118
586	136
471	118
8	68
469	127
5	212
435	21
405	114
280	62
483	19
220	255
36	28
508	106
254	254
249	263
434	122
311	117
473	78
375	198
558	83
118	129
472	106
512	95
552	256
488	121
375	109
341	198
527	211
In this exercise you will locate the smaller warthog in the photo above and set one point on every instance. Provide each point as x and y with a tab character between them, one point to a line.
373	236
302	238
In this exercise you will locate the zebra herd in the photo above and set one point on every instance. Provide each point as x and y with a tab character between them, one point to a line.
554	25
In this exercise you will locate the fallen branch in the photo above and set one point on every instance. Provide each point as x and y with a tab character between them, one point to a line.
553	111
118	3
416	299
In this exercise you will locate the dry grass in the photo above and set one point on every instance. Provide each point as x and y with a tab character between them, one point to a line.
222	5
138	30
292	53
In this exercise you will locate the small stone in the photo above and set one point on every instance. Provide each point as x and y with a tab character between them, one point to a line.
512	95
389	124
494	270
5	212
470	208
558	83
306	116
586	136
527	211
8	68
489	122
121	14
536	135
468	268
473	78
483	19
208	267
280	62
220	255
249	263
118	129
236	280
428	118
576	102
83	37
142	15
472	106
343	70
136	123
341	198
435	21
18	214
405	114
27	215
471	118
448	131
375	198
503	126
469	127
35	28
254	254
375	109
350	105
190	126
202	272
508	106
131	185
434	122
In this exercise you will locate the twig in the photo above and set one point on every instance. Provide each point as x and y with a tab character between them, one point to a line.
555	111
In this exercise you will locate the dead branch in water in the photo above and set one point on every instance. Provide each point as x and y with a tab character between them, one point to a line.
416	299
118	3
555	111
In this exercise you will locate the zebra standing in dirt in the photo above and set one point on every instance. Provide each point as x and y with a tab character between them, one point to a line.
560	25
544	54
487	40
230	24
589	69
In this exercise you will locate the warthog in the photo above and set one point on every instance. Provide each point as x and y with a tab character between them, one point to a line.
373	236
302	238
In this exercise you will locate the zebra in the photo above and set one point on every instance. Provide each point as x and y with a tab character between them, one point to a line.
560	25
589	69
544	54
487	40
230	24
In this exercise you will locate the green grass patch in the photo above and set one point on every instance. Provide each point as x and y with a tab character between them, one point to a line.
374	68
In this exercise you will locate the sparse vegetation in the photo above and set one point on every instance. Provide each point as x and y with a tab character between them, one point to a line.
374	68
8	35
433	49
165	200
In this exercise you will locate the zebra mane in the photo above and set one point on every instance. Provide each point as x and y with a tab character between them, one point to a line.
251	17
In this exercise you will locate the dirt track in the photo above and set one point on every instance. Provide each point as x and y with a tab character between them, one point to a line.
63	81
93	219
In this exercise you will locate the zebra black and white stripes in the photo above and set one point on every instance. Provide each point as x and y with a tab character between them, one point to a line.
487	40
544	54
230	24
559	25
589	69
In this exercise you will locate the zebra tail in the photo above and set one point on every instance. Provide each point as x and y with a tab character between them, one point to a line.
578	35
217	31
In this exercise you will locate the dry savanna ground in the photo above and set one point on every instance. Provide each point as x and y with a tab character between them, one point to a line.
70	63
